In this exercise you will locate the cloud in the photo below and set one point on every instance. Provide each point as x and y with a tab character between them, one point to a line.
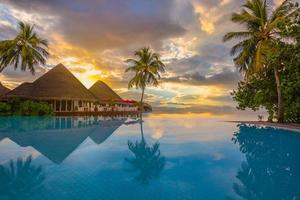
222	98
195	109
136	95
93	38
98	25
224	78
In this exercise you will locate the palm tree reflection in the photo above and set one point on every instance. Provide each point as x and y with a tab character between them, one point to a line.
272	166
148	161
20	179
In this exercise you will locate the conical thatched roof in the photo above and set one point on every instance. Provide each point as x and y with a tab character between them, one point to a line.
3	90
103	92
58	83
24	91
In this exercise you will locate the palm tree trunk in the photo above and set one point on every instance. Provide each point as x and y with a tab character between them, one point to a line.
142	98
280	117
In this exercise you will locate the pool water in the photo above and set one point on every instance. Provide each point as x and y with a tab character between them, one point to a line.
157	157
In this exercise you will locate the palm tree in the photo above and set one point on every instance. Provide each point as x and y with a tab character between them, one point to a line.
27	49
261	36
147	68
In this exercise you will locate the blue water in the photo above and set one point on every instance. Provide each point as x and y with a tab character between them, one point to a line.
159	157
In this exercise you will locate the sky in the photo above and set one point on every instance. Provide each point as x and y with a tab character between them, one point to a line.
93	38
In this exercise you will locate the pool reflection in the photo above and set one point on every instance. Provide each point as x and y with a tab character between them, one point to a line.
56	138
93	158
147	163
272	166
20	179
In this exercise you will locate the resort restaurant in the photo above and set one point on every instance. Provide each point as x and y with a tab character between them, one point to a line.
109	100
66	94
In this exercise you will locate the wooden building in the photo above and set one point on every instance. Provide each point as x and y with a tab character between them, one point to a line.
67	95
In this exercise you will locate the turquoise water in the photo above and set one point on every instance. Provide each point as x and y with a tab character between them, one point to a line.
165	157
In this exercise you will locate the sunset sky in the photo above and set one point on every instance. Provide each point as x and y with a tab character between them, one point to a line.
92	38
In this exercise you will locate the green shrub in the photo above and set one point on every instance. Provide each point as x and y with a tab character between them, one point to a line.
32	108
25	108
5	108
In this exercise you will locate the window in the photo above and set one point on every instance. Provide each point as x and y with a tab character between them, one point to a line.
57	105
69	105
63	105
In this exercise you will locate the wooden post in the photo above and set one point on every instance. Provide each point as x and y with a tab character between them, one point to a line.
60	105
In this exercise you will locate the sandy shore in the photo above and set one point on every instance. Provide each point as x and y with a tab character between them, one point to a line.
288	126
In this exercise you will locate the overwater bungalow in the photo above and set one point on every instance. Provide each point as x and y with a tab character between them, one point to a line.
109	100
68	96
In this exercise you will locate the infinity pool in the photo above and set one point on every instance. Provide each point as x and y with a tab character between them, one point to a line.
158	157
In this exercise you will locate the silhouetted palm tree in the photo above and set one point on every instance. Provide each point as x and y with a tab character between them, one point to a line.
26	50
260	37
147	68
147	161
20	179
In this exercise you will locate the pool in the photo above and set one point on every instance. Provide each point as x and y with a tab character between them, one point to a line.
159	157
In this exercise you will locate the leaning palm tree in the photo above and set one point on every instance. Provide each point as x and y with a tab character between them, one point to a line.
147	70
260	37
26	50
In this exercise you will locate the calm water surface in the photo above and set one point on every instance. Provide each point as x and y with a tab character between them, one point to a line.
165	157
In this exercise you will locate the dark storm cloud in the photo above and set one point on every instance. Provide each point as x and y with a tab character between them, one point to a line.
226	77
191	64
107	24
210	55
215	52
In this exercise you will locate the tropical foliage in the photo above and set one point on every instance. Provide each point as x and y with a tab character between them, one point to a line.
147	68
260	89
264	35
27	50
25	108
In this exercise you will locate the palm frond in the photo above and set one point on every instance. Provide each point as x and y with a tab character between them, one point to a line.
26	50
147	68
237	35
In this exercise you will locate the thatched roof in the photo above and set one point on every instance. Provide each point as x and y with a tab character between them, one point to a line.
103	92
22	91
58	83
3	90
